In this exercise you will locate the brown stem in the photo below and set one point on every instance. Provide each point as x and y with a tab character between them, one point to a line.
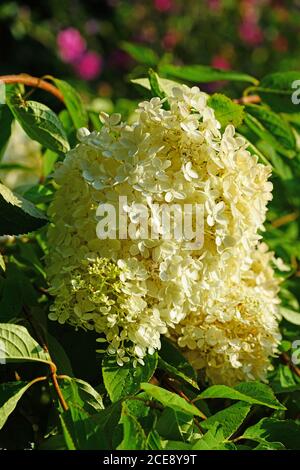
61	399
63	377
251	99
42	290
287	360
34	82
38	379
151	403
285	219
170	383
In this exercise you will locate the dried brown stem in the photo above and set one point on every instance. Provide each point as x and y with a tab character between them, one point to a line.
34	82
251	99
61	398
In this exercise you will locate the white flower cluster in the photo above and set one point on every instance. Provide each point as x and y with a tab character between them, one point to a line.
218	303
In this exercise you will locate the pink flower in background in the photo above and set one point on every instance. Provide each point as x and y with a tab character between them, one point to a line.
163	5
171	39
220	62
250	33
71	45
89	66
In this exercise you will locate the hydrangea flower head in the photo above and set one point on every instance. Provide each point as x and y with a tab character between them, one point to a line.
218	302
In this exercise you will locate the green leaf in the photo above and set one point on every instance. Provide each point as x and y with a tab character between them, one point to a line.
255	393
230	418
11	299
165	85
153	441
17	214
39	193
53	442
67	434
276	90
226	111
141	54
293	119
284	380
134	437
176	373
204	74
49	160
273	123
82	395
138	408
18	346
96	432
30	255
59	356
73	428
245	131
214	440
73	103
68	125
6	119
122	381
154	85
10	394
177	445
172	361
290	315
280	81
260	145
269	446
40	123
258	128
171	400
281	167
176	425
274	430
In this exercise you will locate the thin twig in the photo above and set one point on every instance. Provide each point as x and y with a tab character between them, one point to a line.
63	377
287	360
251	99
170	383
39	379
61	398
34	82
151	403
285	219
